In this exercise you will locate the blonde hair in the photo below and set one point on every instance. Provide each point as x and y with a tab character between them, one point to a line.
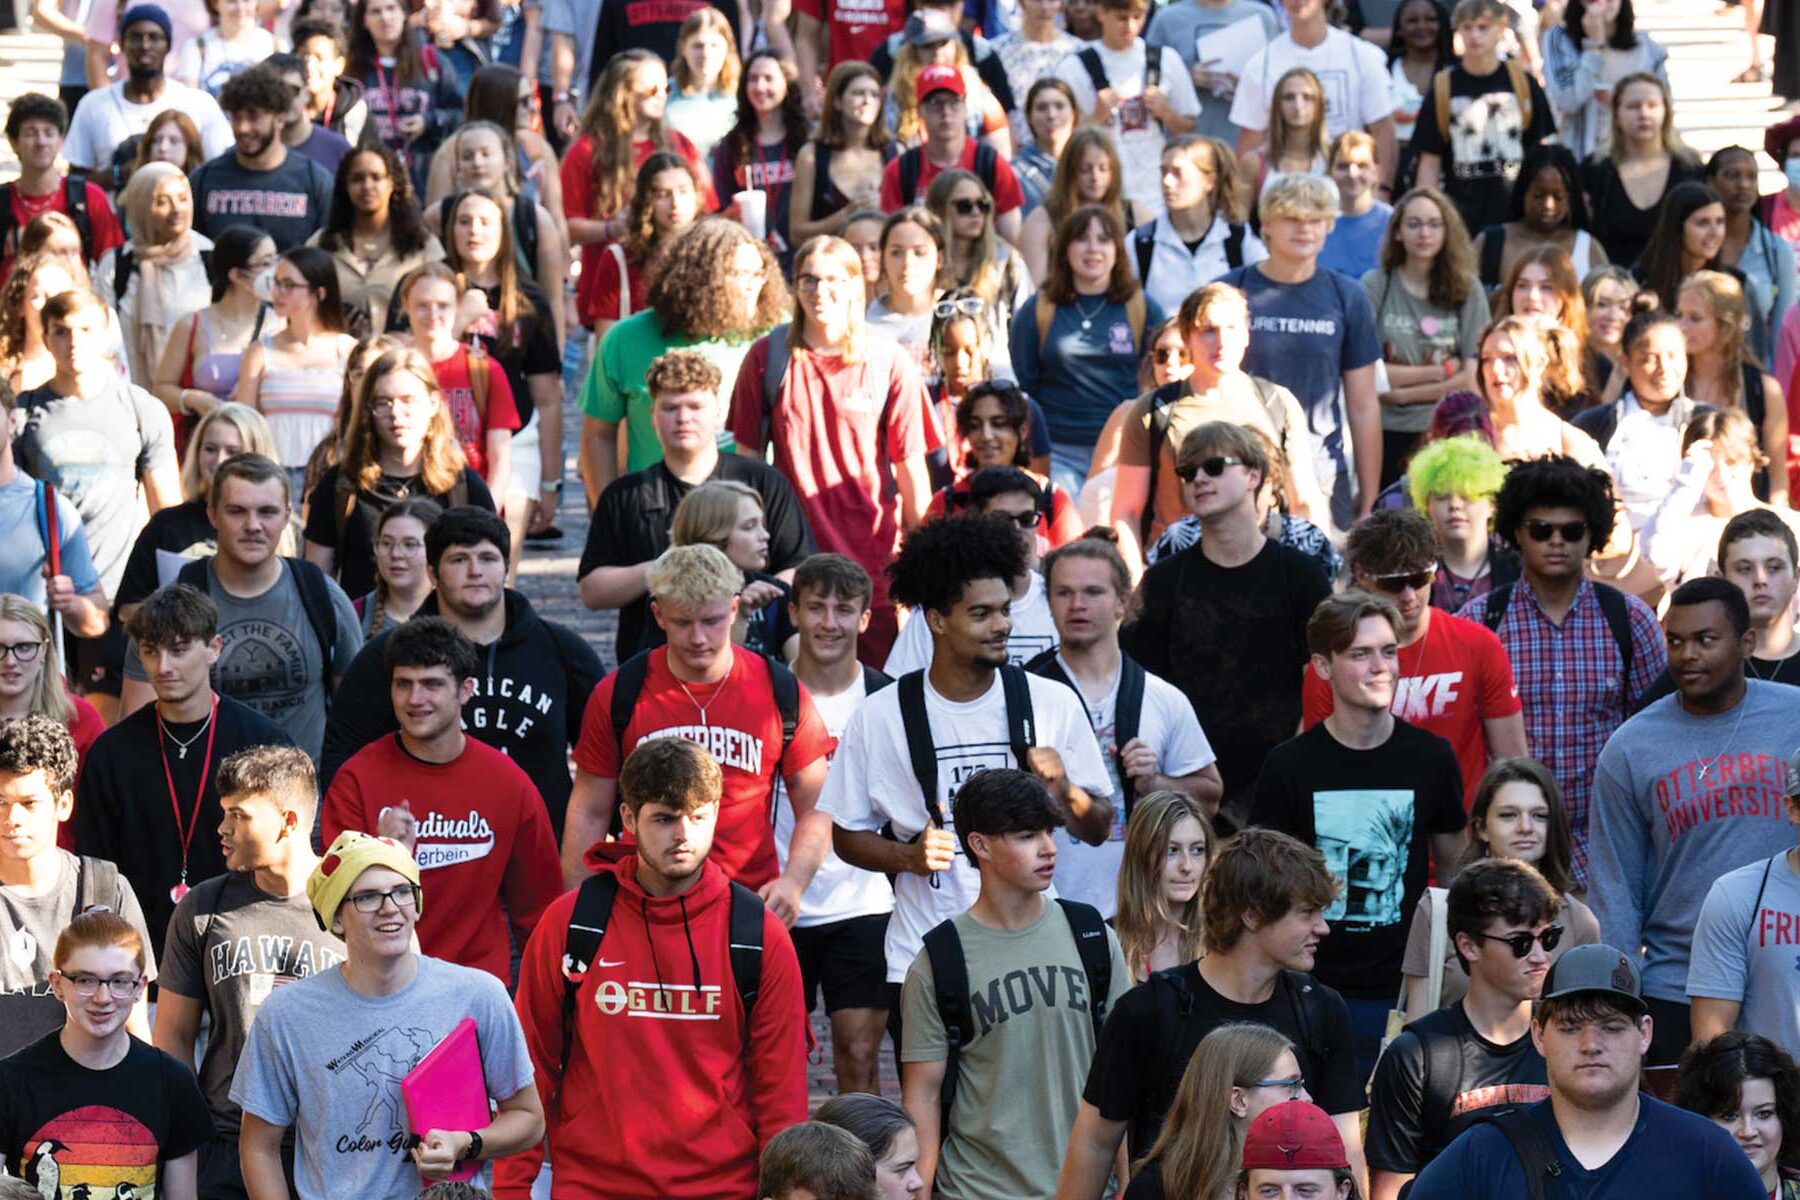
702	20
1723	296
1202	1143
903	87
253	433
1300	198
707	515
837	251
47	694
693	577
1669	136
1350	139
1144	913
1529	347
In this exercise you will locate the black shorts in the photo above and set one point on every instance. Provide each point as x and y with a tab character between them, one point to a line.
847	960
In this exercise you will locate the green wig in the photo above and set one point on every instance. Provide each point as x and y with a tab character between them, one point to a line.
1463	466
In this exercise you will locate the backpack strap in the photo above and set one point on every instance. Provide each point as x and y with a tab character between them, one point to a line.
1137	312
986	160
1152	65
1160	401
1143	245
1618	619
321	614
8	220
1234	244
1089	58
919	748
124	263
96	883
775	372
618	256
1089	929
193	572
628	684
525	234
1543	1170
1440	102
1493	252
786	688
1443	1067
343	507
1128	711
1497	600
909	170
950	983
1521	88
1021	724
874	681
1045	313
587	929
478	378
746	945
1303	996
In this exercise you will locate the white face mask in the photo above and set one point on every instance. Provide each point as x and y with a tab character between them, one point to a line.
263	285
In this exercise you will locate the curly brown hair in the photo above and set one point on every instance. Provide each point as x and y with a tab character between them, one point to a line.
682	371
38	743
688	298
640	224
13	306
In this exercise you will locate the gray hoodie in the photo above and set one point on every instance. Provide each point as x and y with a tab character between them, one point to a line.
1679	800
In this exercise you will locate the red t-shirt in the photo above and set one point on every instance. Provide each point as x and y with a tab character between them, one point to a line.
483	834
855	31
472	424
101	220
837	436
742	731
1008	195
1451	680
577	175
614	276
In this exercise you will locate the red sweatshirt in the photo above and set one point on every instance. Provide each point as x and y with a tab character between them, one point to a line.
484	836
661	1098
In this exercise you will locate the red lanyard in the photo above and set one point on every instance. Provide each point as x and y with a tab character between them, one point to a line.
391	91
185	830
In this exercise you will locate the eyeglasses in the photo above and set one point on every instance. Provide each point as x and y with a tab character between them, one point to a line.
404	896
966	207
291	285
1211	467
122	987
807	285
1543	531
1293	1085
1520	943
1399	581
406	546
967	306
383	406
21	651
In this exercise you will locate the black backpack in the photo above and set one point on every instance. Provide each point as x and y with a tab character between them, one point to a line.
587	929
1089	57
74	205
950	979
1612	607
1143	245
630	684
1021	732
125	266
315	602
522	214
1128	708
911	166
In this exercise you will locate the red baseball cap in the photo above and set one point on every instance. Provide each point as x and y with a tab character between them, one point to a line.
940	78
1295	1136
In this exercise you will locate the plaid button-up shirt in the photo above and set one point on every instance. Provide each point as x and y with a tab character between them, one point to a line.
1569	683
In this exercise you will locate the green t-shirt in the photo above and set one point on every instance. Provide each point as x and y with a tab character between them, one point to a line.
1417	333
1034	1039
614	389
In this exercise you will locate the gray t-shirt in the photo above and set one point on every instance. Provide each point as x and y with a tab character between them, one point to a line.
29	926
1746	949
1034	1037
1181	24
230	945
327	1060
1418	333
272	661
94	451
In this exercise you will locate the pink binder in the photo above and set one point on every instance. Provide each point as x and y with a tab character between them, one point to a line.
448	1090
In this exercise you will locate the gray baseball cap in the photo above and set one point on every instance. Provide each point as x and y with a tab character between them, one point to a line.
1596	968
928	27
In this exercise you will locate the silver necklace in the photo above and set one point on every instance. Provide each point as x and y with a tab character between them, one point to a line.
1087	318
1743	707
717	688
181	747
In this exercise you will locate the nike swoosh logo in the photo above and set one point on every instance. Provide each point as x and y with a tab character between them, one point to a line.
604	963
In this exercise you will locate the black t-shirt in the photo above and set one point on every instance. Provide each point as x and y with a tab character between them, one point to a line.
124	814
1488	141
1438	1078
102	1129
356	557
1154	1029
631	525
534	350
1623	228
1233	639
1372	814
184	529
647	25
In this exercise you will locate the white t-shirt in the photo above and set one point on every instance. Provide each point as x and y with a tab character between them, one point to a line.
1138	135
839	891
1167	723
871	784
105	118
1033	632
1353	73
1643	456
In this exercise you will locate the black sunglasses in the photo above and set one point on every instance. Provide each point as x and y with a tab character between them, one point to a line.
1397	583
1541	531
1520	943
966	207
1213	467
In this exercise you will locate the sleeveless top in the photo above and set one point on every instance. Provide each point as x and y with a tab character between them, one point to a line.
300	405
217	372
827	199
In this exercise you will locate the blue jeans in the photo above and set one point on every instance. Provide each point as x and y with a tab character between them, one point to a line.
1069	465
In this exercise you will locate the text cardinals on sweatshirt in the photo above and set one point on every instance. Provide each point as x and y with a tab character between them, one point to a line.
665	1093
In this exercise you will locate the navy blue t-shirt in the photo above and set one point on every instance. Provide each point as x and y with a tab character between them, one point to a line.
1671	1152
289	203
1081	374
1304	336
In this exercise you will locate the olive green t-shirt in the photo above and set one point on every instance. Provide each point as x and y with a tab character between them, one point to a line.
1022	1073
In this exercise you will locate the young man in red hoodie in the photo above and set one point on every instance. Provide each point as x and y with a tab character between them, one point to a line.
659	1081
468	813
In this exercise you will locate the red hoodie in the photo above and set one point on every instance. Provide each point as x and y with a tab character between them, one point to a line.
661	1098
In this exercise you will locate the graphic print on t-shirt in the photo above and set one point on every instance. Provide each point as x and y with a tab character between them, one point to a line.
268	961
1365	835
377	1062
445	841
94	1152
263	665
1487	136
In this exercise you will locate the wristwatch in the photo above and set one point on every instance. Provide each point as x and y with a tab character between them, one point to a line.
474	1151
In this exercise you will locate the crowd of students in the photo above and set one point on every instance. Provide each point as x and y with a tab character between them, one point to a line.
1305	490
